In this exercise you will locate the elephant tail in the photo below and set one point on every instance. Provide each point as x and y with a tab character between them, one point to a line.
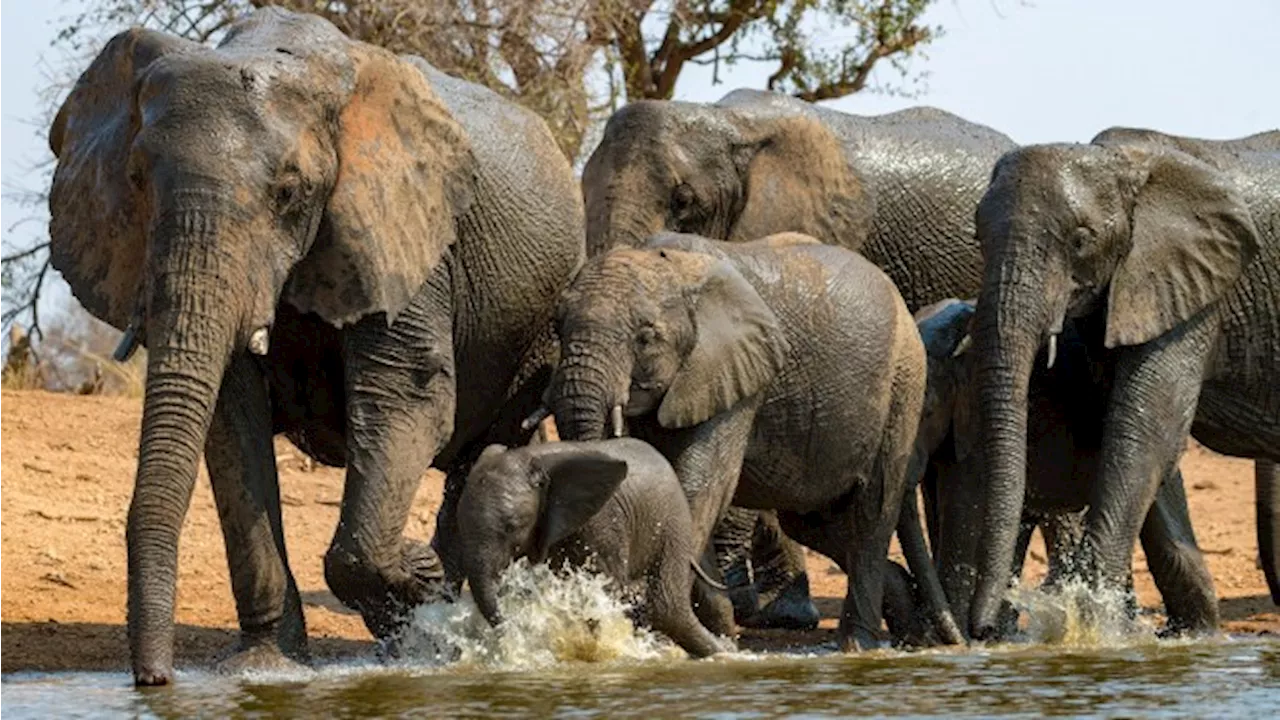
706	578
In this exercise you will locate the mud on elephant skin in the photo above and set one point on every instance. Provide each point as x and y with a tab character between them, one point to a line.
1168	250
1063	450
291	222
614	506
714	353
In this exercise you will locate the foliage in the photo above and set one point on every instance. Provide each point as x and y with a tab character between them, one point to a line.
572	61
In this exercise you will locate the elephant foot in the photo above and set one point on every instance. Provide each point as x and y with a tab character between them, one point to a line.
259	657
792	609
152	676
860	639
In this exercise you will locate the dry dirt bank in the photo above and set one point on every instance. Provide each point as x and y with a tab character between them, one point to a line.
68	464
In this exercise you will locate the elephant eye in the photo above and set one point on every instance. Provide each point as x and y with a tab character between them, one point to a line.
684	204
288	191
646	336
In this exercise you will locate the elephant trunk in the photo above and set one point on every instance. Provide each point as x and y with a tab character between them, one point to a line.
192	329
1011	316
1268	490
483	577
586	392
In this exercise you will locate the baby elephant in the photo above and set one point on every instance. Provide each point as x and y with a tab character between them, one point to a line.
613	505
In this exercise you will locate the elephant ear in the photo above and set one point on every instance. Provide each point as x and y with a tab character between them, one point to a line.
406	172
96	216
578	484
739	349
1192	236
796	178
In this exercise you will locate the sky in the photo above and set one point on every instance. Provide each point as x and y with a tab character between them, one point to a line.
1037	70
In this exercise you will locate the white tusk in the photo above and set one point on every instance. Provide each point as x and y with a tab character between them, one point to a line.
259	341
1053	349
529	423
617	421
965	343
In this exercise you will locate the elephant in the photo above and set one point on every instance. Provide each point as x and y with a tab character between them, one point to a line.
778	374
1165	251
900	188
1065	411
316	237
614	506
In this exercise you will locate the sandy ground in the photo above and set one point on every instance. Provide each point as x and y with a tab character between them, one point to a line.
68	464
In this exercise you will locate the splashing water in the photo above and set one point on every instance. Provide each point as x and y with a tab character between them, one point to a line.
571	615
1074	614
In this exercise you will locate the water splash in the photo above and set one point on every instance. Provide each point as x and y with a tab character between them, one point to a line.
550	617
1074	614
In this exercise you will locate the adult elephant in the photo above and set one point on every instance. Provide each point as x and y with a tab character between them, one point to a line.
313	236
900	188
1169	248
1066	406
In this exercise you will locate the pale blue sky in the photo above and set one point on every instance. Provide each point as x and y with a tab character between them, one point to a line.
1048	71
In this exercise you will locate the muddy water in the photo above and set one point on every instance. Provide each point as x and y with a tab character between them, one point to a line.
568	650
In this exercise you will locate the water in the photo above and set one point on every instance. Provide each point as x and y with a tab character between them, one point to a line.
569	651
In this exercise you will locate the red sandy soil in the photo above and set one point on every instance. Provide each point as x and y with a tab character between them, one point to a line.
68	465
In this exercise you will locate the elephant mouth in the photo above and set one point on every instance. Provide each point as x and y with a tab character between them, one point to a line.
642	398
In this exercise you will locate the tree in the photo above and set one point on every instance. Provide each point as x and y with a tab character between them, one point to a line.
571	61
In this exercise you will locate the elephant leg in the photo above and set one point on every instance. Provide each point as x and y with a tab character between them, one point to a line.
901	615
1267	476
1176	563
781	580
763	567
669	610
400	413
911	537
708	460
1062	532
870	526
242	470
732	540
1152	403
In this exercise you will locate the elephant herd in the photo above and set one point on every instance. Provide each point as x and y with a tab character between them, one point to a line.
799	315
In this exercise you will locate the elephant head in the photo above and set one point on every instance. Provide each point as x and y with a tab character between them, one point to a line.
678	334
1138	234
198	187
730	173
521	504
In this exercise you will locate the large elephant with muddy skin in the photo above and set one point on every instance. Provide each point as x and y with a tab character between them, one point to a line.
1166	252
311	236
900	188
1066	405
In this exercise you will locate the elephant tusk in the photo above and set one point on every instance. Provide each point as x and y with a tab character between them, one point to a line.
617	421
1053	350
963	346
129	341
529	423
259	341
